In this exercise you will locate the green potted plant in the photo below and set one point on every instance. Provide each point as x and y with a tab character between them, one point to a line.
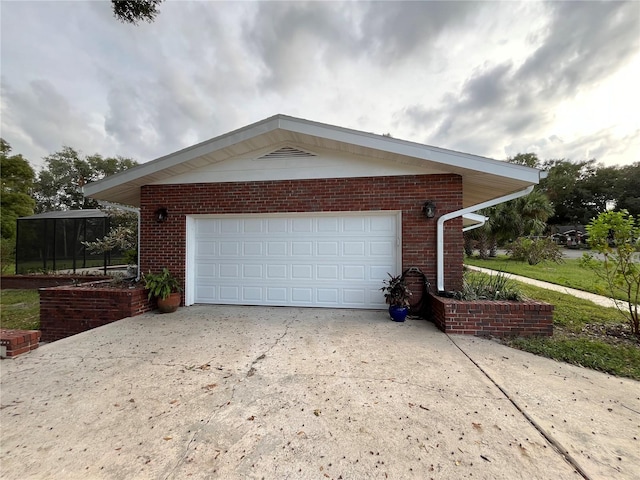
165	288
397	295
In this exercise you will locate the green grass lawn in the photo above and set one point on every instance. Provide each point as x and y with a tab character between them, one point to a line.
568	274
585	334
20	309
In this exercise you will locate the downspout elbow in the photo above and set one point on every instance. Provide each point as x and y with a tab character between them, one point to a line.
457	213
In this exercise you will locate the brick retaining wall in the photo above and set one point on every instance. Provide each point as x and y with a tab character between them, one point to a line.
495	318
31	282
17	342
68	310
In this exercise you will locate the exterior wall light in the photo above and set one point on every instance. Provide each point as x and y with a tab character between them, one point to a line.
429	209
162	214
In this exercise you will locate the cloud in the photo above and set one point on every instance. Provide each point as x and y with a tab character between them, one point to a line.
482	77
604	145
37	118
585	44
581	45
394	31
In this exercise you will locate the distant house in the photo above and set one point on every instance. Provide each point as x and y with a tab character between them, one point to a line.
292	212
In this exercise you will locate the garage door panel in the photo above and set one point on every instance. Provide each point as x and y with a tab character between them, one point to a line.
354	249
302	225
319	259
276	248
229	271
380	272
277	295
253	225
304	249
327	272
252	271
381	249
276	272
328	225
206	293
302	295
383	225
354	296
252	295
328	249
229	293
229	249
230	226
302	272
354	224
207	248
276	225
328	296
353	272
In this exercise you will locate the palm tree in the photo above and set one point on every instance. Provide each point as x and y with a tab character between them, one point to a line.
523	216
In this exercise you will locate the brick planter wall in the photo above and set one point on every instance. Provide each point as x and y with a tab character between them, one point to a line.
31	282
17	342
495	318
163	244
68	310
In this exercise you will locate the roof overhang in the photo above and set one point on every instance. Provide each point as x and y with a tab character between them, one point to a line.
483	178
67	214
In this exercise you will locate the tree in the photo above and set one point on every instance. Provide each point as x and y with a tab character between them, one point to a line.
527	159
565	187
59	183
507	221
627	193
122	236
616	235
17	181
133	11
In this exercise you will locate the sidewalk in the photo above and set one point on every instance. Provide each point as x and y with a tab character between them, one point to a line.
597	299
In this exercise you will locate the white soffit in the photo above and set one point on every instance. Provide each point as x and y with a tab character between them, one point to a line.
483	178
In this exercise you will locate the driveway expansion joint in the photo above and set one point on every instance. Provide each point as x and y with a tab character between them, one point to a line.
557	446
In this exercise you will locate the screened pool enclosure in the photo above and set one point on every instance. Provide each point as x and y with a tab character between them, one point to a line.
53	241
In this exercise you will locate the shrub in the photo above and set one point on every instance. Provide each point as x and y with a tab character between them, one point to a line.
616	235
534	250
396	292
480	286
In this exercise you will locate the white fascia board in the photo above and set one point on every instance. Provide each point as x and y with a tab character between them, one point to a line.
184	155
445	157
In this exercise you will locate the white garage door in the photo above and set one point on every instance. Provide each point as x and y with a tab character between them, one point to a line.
311	260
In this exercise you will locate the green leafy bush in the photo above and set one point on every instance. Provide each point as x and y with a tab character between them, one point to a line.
534	250
616	235
161	285
396	292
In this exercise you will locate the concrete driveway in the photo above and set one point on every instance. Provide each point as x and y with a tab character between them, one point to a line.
251	392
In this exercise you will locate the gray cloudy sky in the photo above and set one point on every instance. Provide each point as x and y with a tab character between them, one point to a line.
488	78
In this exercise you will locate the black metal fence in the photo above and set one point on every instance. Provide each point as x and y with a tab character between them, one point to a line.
50	244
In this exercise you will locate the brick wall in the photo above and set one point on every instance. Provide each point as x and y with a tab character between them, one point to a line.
17	342
68	310
163	244
495	318
30	282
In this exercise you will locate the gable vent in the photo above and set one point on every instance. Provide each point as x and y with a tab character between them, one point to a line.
287	152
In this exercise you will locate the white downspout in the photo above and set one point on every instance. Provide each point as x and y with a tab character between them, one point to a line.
137	212
458	213
481	219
